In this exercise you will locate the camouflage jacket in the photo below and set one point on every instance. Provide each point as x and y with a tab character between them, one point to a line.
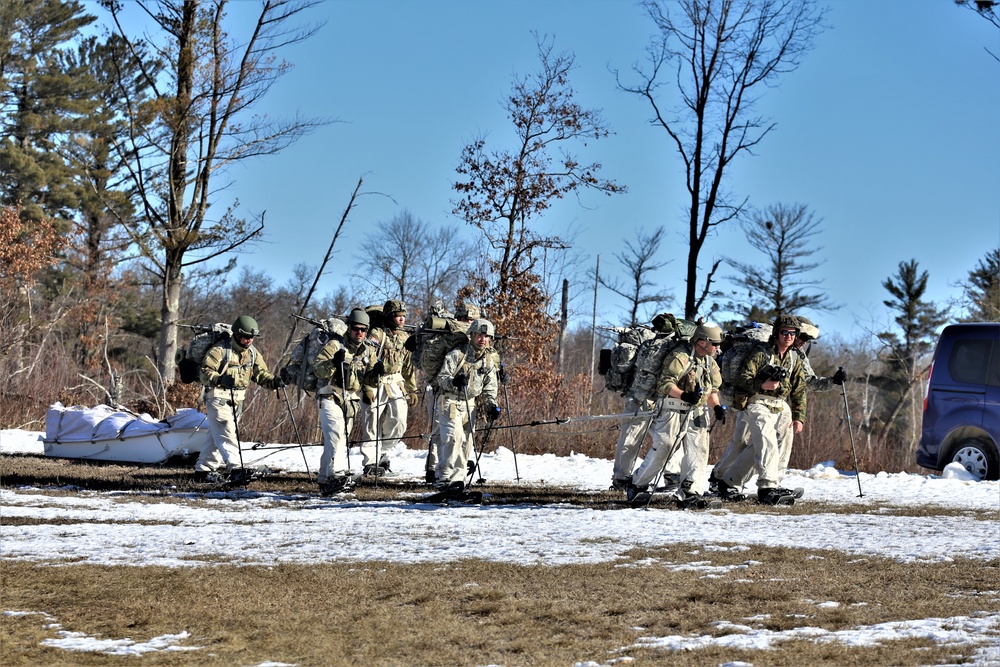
359	361
792	388
244	366
395	358
479	365
813	381
688	371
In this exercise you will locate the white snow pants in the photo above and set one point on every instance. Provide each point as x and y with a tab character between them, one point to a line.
455	423
225	449
383	422
336	427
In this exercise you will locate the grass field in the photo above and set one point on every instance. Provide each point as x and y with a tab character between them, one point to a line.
721	603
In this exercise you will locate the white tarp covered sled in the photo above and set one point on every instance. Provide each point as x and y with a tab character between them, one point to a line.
103	433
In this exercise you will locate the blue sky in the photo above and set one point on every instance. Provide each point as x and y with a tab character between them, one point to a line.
888	132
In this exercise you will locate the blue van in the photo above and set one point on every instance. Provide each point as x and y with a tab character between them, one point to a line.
962	406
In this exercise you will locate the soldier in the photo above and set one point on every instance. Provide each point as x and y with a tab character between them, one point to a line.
468	373
772	382
385	407
689	382
465	313
343	368
226	372
808	333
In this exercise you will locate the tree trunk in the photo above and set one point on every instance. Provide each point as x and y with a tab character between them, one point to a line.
169	311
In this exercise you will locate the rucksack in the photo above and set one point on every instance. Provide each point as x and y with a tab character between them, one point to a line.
735	347
433	340
300	369
190	359
635	359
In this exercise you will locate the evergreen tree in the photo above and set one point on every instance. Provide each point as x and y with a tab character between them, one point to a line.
982	290
43	100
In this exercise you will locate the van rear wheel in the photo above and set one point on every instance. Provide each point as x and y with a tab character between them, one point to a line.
978	458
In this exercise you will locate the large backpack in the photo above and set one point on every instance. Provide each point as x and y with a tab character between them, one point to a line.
433	340
300	369
617	364
189	360
735	347
636	357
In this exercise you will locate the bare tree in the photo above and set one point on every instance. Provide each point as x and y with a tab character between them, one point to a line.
722	55
638	260
986	9
503	192
783	233
405	257
194	124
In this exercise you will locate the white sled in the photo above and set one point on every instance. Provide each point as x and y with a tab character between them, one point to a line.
103	433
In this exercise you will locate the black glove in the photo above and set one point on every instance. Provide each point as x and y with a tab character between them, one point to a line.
691	397
720	413
227	382
492	412
278	382
502	374
339	357
378	368
840	376
285	376
460	381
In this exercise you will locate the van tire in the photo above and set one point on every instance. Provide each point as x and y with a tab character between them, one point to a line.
978	457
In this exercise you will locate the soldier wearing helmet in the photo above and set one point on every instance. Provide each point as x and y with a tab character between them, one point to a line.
687	395
808	333
385	411
468	384
344	368
773	381
225	374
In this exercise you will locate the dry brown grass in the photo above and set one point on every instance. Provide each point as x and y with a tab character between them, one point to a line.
473	612
478	612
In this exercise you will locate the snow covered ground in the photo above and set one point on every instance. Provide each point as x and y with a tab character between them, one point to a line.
260	528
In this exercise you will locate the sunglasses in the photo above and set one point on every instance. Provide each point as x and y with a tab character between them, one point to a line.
787	332
359	329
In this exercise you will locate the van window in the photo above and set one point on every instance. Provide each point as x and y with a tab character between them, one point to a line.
994	377
970	361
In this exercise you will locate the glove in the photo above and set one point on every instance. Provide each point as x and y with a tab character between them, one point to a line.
278	383
840	376
691	397
227	382
368	395
720	413
460	381
378	368
411	399
339	357
492	412
502	374
285	376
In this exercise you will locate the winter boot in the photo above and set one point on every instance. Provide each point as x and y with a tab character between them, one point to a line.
729	494
776	496
430	476
620	483
338	484
631	490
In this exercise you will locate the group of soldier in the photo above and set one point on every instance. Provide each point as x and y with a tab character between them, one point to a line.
769	394
366	374
369	374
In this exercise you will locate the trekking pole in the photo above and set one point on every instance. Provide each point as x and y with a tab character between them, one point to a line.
850	429
236	424
482	448
472	434
502	375
673	450
295	428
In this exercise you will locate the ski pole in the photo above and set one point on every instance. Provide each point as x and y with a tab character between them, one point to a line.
236	424
471	434
295	427
502	376
850	429
482	448
681	432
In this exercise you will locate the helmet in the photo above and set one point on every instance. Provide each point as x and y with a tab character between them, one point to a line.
808	328
482	326
245	326
709	332
467	311
786	322
393	306
358	316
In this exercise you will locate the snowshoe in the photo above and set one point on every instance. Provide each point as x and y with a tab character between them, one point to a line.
454	492
640	499
339	484
779	496
698	502
729	494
